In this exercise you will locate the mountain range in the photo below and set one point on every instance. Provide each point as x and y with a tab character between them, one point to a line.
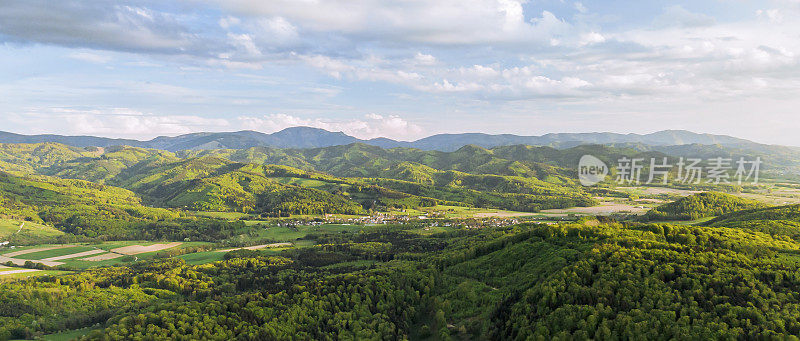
307	137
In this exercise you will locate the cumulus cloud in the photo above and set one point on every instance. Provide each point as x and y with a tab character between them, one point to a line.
371	126
439	22
422	59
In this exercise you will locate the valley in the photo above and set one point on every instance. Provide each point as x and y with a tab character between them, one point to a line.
376	242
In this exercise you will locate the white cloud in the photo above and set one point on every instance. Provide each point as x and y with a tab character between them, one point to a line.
439	22
115	122
331	66
278	29
591	38
245	44
421	59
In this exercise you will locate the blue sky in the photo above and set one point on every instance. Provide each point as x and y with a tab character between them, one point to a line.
400	69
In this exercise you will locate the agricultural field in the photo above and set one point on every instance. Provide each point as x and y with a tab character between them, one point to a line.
83	256
8	273
463	212
607	206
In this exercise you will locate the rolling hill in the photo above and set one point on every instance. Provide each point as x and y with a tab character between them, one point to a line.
306	137
75	206
362	177
779	220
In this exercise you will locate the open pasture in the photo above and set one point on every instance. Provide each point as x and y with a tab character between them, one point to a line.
9	227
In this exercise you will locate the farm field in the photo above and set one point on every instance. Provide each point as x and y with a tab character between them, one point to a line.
83	256
768	193
605	208
54	252
89	255
202	257
463	212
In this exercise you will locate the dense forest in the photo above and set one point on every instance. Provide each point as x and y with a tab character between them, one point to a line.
582	280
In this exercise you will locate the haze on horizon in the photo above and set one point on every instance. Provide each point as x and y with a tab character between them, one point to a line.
400	69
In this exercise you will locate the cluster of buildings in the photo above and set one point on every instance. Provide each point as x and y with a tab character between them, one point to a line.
427	220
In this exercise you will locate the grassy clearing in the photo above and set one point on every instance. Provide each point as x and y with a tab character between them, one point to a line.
224	215
69	334
301	182
14	277
689	222
12	226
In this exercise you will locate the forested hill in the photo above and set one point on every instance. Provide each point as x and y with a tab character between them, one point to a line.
271	181
780	220
365	160
306	137
75	206
706	204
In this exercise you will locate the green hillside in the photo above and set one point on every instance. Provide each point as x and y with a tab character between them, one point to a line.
213	184
360	160
109	164
27	158
74	206
700	205
365	176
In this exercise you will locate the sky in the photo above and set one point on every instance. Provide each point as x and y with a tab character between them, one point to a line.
402	69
